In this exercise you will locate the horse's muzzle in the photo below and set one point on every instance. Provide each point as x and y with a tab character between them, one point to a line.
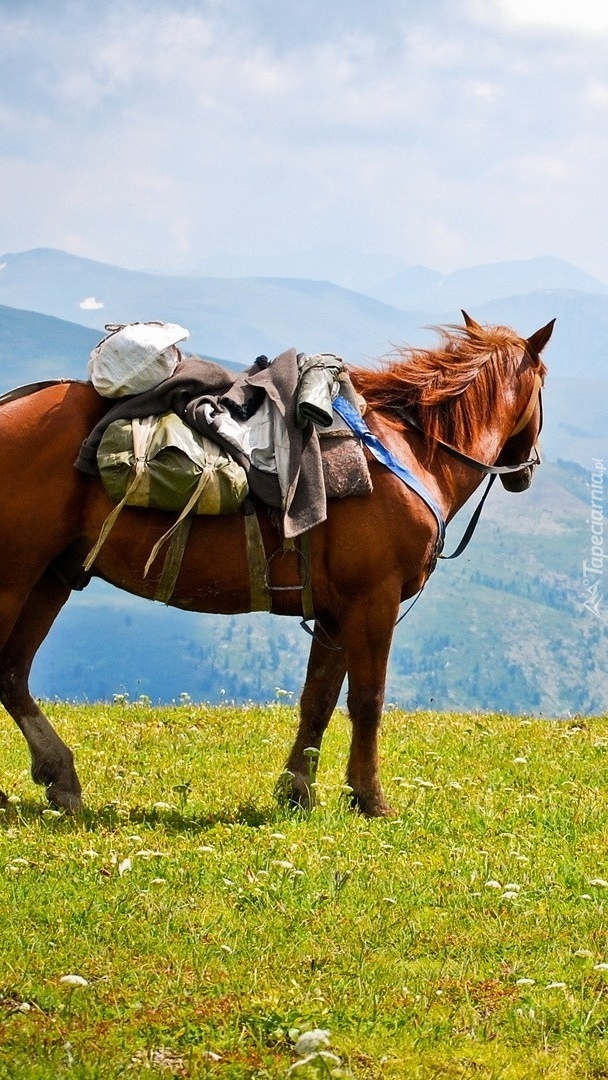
518	481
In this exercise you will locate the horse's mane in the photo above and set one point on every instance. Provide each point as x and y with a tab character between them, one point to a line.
449	389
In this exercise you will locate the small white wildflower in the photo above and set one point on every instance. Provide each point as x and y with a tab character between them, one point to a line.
525	982
599	882
20	862
600	967
162	806
49	814
492	884
310	1042
520	761
389	900
14	800
124	867
277	836
321	1058
512	887
585	896
423	783
509	896
556	986
73	980
284	864
584	952
226	948
205	849
158	881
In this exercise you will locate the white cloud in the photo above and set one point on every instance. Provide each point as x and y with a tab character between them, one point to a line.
90	304
147	135
583	16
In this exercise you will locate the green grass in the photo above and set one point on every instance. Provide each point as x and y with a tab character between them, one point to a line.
212	926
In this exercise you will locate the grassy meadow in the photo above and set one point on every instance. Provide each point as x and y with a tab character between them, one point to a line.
205	928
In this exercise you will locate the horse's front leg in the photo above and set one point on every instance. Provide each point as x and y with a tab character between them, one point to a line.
368	635
324	678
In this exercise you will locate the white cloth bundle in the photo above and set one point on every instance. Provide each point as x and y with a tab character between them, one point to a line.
135	357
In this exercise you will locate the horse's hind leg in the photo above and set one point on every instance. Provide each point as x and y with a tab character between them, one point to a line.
324	678
52	760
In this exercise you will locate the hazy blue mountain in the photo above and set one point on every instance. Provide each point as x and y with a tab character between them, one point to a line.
34	347
412	288
237	318
353	269
423	289
576	420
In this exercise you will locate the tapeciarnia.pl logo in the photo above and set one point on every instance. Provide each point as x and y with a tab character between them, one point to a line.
593	568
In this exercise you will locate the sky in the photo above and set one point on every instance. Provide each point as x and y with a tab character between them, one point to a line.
235	135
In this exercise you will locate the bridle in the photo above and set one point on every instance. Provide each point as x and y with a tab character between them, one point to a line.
492	471
480	466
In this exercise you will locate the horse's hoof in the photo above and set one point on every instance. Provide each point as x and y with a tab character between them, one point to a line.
3	801
293	791
61	799
372	806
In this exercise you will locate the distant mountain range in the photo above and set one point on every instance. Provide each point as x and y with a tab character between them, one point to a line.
504	628
239	318
418	288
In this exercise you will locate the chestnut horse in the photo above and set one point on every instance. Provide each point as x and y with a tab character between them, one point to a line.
477	390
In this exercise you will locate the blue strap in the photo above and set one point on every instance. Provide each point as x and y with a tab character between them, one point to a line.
385	457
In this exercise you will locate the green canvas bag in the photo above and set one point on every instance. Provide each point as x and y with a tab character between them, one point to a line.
161	463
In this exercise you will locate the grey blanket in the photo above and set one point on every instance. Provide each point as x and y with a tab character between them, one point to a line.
197	383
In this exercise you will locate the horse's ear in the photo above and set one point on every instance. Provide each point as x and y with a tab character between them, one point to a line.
539	339
469	322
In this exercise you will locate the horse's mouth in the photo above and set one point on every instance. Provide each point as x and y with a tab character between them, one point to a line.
518	481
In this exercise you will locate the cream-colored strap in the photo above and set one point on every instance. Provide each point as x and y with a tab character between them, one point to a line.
142	436
205	476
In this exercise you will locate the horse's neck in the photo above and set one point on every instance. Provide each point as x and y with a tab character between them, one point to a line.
459	481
